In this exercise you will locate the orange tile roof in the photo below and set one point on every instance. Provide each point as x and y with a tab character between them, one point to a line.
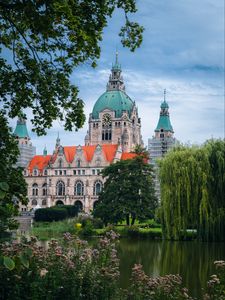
128	155
69	152
109	151
39	161
89	151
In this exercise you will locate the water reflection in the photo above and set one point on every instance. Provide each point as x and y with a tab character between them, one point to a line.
192	260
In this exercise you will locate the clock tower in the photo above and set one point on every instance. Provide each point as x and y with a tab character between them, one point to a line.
114	118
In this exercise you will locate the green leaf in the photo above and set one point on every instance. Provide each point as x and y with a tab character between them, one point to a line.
4	186
2	194
9	263
24	260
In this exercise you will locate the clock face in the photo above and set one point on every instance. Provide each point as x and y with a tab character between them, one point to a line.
106	119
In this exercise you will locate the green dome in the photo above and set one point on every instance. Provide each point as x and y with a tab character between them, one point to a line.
164	105
21	129
117	101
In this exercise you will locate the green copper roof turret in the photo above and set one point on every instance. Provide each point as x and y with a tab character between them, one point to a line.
116	66
164	118
21	129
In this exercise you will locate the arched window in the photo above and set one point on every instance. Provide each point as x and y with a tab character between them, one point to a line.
35	172
45	172
79	188
35	189
95	204
44	202
79	205
60	188
34	202
59	202
44	189
97	187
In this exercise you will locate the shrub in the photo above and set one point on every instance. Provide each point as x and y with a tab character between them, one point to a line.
72	210
50	214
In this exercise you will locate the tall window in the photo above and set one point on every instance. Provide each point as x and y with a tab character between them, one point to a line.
106	127
60	188
44	189
79	188
60	163
97	187
35	189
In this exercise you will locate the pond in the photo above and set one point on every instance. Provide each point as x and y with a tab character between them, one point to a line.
191	259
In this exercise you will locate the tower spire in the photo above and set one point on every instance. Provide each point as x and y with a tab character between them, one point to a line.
164	95
115	82
57	141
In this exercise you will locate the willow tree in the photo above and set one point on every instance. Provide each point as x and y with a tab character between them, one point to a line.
192	189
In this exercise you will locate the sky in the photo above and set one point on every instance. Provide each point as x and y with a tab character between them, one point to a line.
182	52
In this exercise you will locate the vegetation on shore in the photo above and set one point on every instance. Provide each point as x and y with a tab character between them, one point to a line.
74	270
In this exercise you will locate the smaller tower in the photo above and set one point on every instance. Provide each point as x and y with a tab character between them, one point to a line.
163	139
115	82
27	151
57	144
45	152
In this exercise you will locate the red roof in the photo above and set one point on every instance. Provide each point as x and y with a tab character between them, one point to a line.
128	155
39	162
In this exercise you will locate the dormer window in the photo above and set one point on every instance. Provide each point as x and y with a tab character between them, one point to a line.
45	172
60	163
35	172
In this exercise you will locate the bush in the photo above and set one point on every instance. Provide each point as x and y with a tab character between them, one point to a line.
50	214
72	210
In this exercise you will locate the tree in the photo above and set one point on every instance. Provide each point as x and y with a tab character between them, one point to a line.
45	40
13	187
192	191
128	191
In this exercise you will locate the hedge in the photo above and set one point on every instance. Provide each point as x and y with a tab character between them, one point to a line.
50	214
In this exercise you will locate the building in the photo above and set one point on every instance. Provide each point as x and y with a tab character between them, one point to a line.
27	151
71	174
162	141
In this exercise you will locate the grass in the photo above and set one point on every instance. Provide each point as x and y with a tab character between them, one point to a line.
47	230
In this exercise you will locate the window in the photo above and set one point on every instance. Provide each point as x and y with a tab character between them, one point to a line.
45	172
60	163
78	172
93	172
44	202
60	188
56	172
34	202
79	188
98	172
35	172
79	205
78	163
35	189
44	189
74	172
64	172
83	172
97	187
60	172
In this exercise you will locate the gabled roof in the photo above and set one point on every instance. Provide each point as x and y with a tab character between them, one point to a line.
39	162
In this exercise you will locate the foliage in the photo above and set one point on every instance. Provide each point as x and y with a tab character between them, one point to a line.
50	214
74	270
128	190
44	41
216	284
192	191
13	188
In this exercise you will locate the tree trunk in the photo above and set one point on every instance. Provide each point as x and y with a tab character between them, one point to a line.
128	219
133	219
